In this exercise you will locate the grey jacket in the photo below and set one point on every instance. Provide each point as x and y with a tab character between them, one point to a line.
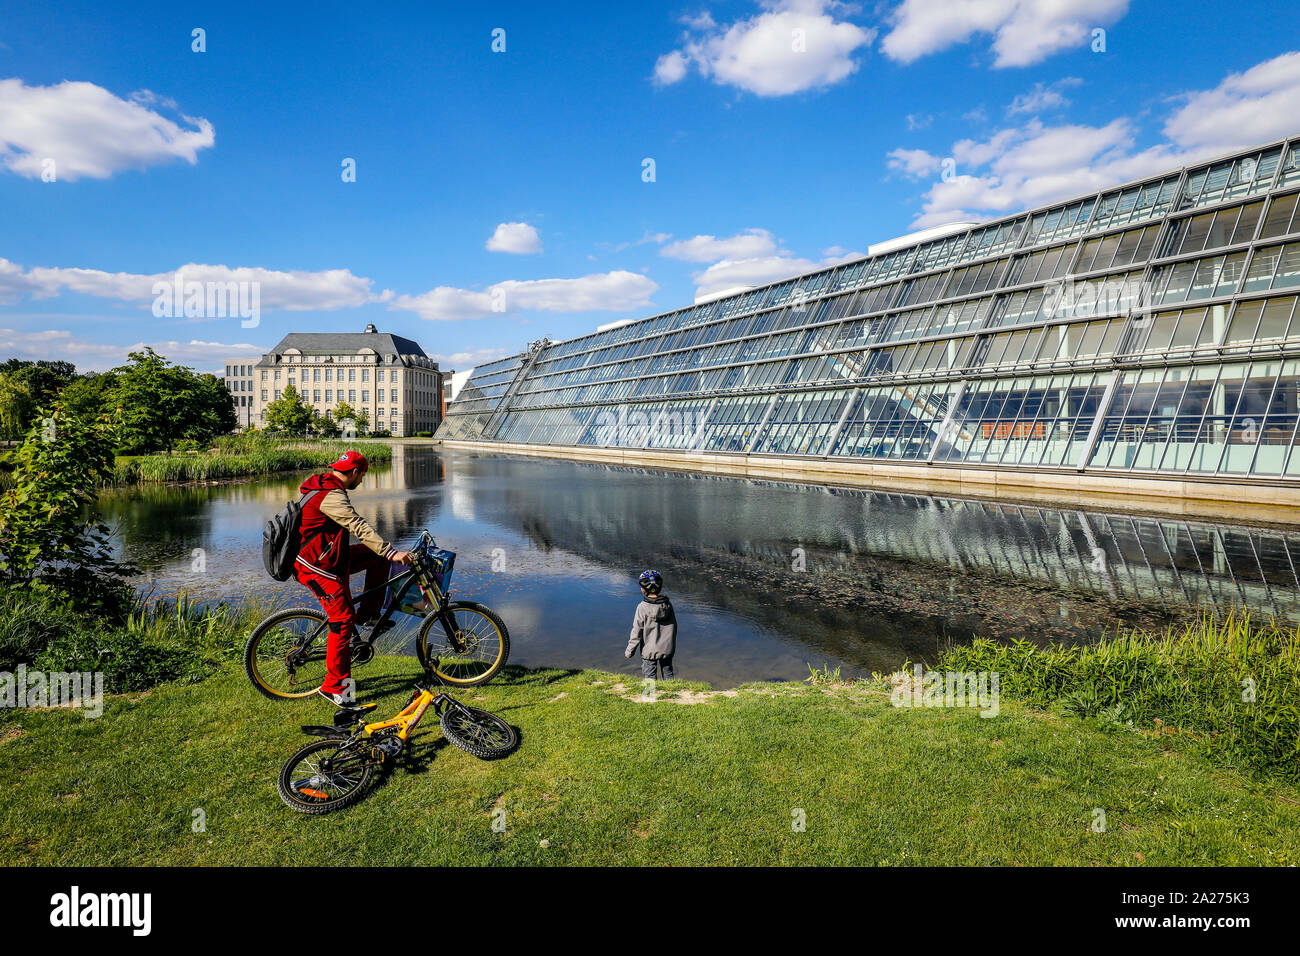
654	629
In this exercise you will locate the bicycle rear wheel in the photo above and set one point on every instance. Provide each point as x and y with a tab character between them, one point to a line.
476	731
322	777
466	647
280	660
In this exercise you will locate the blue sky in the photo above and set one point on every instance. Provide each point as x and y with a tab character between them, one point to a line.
783	135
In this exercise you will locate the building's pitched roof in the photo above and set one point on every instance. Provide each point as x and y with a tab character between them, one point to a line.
382	342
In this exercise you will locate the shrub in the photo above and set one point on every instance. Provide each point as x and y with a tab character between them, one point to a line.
150	644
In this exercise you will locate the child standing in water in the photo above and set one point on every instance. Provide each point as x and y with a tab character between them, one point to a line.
654	629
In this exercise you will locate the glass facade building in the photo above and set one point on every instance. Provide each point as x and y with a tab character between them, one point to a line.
1150	328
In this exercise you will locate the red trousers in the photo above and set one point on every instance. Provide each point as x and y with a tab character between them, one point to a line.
335	596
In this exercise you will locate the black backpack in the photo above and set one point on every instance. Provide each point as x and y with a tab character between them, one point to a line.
281	539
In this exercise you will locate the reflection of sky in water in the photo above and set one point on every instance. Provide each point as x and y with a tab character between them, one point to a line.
889	577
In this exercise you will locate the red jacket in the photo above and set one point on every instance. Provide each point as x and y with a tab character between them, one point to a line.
328	522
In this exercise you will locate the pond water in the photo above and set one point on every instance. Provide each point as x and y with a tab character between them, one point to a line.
767	578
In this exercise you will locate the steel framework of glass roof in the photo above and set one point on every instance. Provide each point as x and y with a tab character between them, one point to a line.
1148	328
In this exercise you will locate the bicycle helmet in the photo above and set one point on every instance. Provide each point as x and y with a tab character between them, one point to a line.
651	581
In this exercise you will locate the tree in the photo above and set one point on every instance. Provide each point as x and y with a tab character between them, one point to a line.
362	420
15	405
324	424
25	386
50	533
87	396
43	378
162	403
210	412
289	413
346	416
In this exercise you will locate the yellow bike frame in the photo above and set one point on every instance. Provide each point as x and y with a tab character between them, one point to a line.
410	716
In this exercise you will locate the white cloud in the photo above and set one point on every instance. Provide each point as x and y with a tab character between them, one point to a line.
750	244
292	291
89	132
912	162
671	67
1034	164
602	292
794	45
917	121
469	358
730	273
14	283
1246	108
1024	31
516	237
99	356
837	254
647	237
1044	97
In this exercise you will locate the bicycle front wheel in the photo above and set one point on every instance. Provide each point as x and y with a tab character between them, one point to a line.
465	645
285	656
475	731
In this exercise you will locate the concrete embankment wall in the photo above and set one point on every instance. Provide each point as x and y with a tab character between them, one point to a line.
1180	496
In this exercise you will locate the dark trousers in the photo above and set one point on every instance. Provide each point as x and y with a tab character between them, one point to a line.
650	668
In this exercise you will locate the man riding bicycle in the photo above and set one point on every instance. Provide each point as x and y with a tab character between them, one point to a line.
326	559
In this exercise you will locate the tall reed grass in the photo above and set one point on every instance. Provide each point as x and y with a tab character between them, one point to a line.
242	456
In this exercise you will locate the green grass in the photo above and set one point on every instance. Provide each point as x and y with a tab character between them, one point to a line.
607	779
240	457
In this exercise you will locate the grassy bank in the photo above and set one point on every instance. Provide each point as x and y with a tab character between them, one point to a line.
604	777
1229	685
242	457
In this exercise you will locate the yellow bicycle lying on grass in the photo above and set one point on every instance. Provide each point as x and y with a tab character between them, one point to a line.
336	772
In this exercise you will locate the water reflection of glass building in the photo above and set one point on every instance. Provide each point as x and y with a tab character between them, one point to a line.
1146	329
1140	562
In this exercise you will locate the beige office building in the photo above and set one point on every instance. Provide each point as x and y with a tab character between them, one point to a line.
390	377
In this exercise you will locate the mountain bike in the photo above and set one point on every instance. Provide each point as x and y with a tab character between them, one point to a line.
336	772
461	642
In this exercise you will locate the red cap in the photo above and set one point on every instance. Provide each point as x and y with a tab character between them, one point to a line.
350	460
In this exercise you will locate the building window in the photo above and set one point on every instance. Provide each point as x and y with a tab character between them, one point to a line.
329	395
365	375
352	395
365	396
263	394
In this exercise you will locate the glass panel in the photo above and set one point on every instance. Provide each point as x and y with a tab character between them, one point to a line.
1262	266
1185	425
1277	316
1288	270
1243	434
1278	221
1245	228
